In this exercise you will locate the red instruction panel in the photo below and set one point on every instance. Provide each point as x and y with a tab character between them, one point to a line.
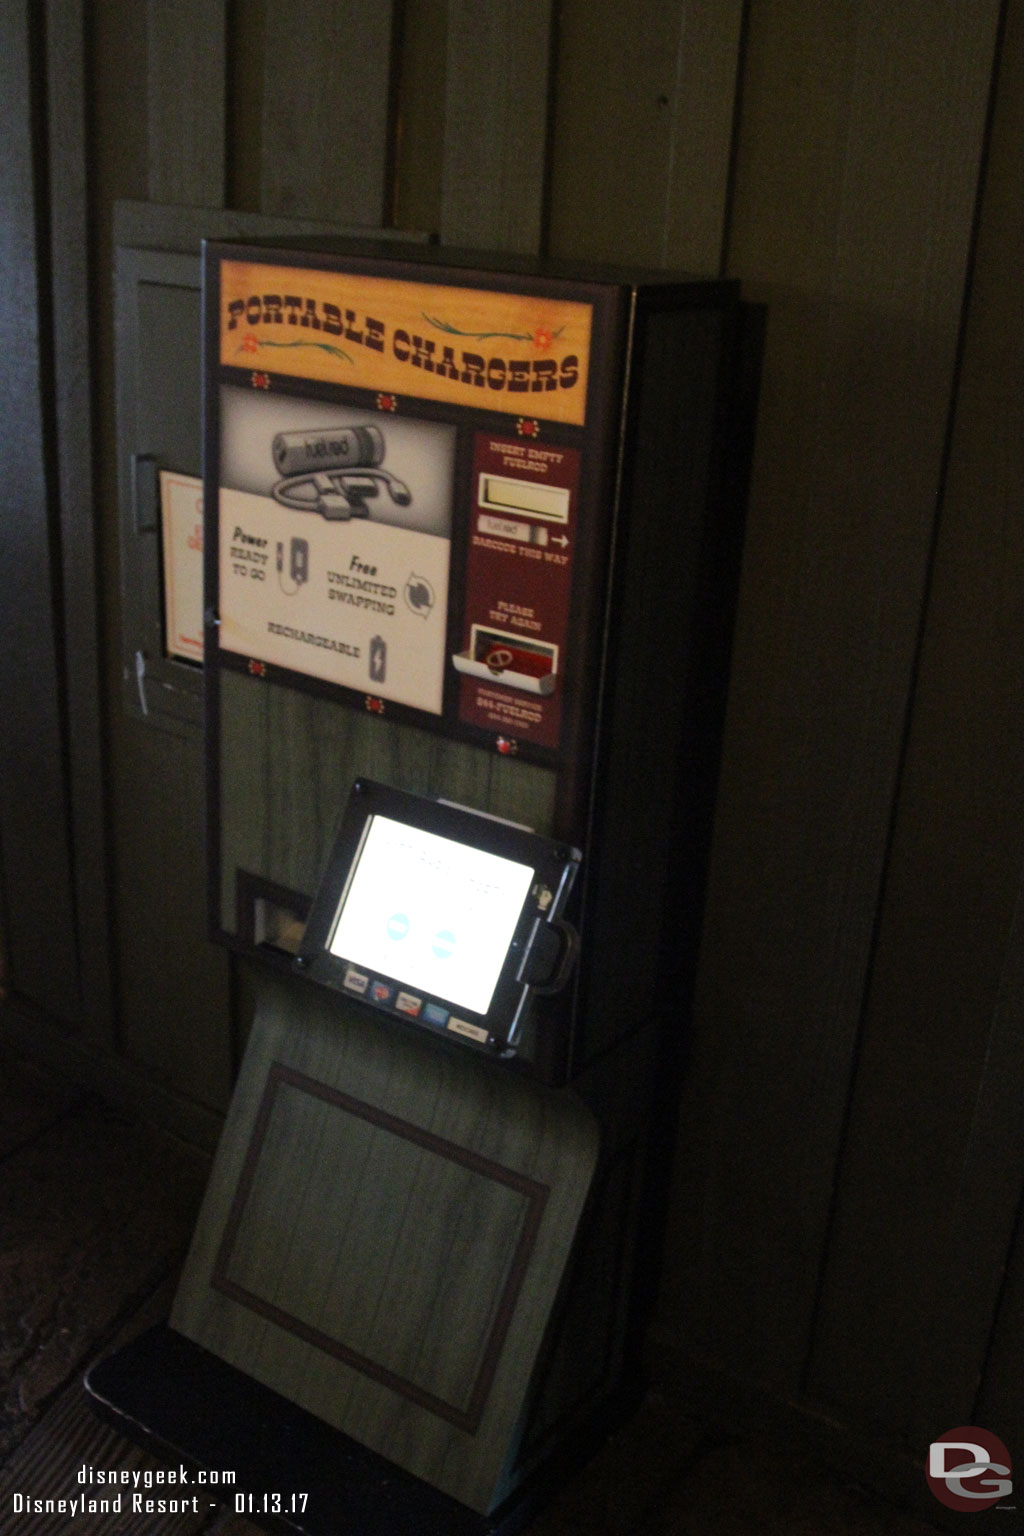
513	656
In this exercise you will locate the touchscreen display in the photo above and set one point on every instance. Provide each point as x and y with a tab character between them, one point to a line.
431	912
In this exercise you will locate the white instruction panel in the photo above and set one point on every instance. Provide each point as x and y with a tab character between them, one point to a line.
356	602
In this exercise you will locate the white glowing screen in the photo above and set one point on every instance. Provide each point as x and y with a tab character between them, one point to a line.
434	914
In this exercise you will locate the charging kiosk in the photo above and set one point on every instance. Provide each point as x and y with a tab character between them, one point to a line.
472	545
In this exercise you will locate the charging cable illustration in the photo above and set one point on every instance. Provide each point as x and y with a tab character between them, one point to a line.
334	473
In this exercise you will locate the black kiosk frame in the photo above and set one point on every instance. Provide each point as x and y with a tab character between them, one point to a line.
473	533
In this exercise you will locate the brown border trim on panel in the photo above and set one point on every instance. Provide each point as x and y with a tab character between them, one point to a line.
536	1194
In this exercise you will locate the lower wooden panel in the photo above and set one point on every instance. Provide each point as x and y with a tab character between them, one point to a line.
384	1233
464	1204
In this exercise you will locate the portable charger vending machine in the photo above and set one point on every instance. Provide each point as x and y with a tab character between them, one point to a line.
473	530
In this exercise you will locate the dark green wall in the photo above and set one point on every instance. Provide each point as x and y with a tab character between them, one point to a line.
844	1234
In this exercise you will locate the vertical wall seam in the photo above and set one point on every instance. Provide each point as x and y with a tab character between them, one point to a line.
734	141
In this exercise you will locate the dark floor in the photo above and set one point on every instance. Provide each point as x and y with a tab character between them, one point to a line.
95	1216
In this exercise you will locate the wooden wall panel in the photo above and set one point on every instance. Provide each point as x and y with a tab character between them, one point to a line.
288	105
420	116
35	834
703	107
495	136
69	258
930	1184
855	184
172	1008
244	74
326	100
186	86
609	133
643	131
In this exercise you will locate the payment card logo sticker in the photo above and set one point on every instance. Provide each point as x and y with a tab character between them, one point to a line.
356	981
471	1031
969	1469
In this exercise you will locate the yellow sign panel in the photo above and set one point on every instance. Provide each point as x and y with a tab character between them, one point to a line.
516	353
